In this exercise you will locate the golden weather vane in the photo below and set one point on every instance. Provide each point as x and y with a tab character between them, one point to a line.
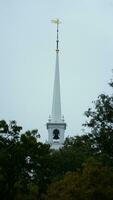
57	22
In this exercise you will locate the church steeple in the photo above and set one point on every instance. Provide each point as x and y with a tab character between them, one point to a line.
56	107
56	125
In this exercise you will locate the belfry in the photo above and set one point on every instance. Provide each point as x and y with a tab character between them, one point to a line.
56	125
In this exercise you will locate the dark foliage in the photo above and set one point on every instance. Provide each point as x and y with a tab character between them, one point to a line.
81	170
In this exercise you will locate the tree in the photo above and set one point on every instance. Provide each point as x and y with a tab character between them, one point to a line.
101	124
23	163
94	181
72	155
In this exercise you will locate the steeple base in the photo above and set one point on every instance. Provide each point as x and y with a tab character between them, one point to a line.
56	134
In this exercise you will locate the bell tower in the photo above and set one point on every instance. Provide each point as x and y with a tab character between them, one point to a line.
56	125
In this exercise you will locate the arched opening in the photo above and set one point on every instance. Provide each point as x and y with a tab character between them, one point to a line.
56	134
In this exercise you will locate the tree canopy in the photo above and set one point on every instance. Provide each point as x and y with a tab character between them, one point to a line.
81	170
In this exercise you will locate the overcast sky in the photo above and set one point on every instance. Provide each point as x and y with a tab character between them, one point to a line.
27	59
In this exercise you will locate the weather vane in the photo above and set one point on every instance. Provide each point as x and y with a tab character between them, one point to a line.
57	22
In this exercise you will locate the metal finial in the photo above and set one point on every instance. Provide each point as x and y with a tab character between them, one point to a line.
57	22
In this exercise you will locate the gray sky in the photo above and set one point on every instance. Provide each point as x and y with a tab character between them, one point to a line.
27	59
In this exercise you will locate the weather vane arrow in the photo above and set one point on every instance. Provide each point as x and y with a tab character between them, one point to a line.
56	21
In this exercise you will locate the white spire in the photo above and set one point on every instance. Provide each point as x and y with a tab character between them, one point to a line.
56	107
56	125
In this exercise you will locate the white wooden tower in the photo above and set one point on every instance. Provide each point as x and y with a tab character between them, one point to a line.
56	125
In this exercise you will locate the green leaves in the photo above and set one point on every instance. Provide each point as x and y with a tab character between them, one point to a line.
101	123
23	162
81	170
92	182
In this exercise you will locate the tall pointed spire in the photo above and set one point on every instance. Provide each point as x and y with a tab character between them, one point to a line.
56	107
56	126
